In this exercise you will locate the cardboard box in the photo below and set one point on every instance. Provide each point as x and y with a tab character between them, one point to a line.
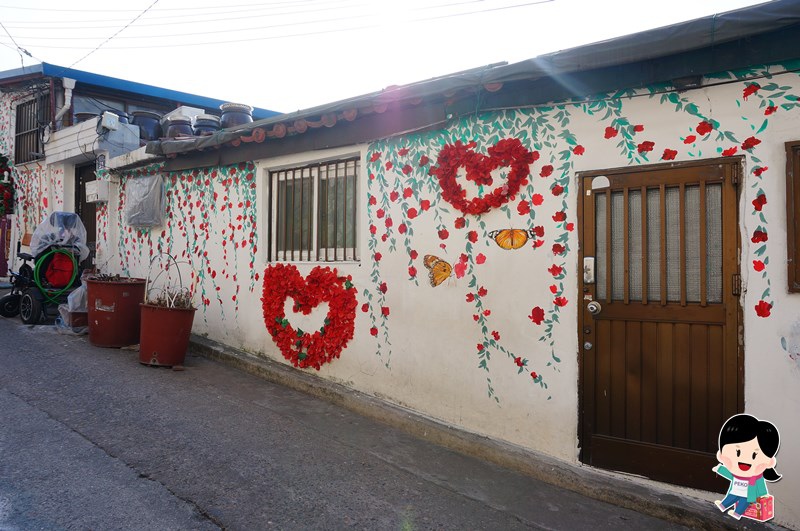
762	510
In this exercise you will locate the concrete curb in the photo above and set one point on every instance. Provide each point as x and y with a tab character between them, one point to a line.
623	492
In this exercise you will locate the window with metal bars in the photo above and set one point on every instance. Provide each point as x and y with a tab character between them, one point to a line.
313	212
32	115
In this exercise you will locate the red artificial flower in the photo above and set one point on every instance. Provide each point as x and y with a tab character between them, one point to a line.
537	315
610	133
638	128
703	128
560	216
763	308
758	265
729	152
412	213
689	139
750	89
460	223
443	234
770	110
759	236
524	208
480	259
560	301
759	202
758	171
555	270
579	150
508	152
557	189
547	170
537	199
472	236
669	154
750	143
645	146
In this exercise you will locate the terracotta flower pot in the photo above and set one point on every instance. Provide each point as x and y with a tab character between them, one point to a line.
164	336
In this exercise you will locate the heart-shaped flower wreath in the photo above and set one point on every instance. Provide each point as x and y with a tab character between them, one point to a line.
309	349
506	152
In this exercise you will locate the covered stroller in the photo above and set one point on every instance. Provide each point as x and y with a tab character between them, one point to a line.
58	246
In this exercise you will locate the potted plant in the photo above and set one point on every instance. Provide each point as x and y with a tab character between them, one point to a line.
167	315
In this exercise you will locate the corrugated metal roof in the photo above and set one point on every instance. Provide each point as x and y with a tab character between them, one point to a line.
112	83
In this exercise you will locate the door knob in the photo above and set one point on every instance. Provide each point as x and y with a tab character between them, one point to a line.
594	307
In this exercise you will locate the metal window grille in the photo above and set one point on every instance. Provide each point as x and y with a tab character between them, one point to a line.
32	115
314	211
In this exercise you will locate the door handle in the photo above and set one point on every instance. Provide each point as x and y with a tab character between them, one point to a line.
594	307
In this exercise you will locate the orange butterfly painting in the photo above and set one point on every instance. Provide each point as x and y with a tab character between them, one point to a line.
438	269
510	239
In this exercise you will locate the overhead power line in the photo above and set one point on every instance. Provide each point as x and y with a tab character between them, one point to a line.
286	36
117	33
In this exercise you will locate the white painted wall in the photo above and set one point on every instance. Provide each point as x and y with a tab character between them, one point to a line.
425	354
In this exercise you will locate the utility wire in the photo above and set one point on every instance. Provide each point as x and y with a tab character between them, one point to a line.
117	33
20	50
135	10
305	34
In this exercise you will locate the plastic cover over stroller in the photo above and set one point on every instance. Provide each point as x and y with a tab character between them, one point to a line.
61	229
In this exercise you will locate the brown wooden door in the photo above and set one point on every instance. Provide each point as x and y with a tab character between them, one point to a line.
660	362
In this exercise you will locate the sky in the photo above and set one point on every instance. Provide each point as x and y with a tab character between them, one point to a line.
288	55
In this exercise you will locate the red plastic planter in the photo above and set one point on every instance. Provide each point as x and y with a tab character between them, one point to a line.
164	335
114	311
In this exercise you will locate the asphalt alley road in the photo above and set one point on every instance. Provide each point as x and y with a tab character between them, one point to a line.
91	439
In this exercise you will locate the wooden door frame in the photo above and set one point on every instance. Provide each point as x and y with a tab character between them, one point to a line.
737	165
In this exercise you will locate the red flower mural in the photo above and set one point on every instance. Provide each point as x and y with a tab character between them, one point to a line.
547	170
669	154
759	202
750	89
537	315
305	349
750	143
759	236
729	152
703	128
610	133
758	266
579	150
763	309
645	146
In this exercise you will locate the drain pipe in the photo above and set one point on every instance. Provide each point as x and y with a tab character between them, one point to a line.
69	84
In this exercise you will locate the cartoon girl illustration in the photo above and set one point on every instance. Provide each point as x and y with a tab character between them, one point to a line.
747	448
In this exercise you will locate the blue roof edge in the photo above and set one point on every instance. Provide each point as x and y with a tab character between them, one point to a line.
98	80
